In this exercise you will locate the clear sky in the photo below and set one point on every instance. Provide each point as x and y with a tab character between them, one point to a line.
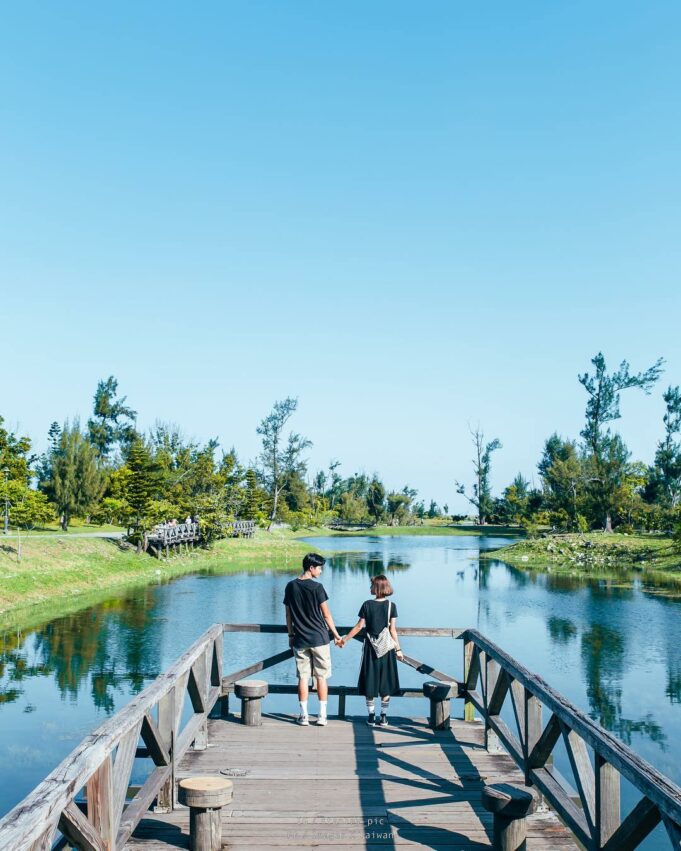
411	215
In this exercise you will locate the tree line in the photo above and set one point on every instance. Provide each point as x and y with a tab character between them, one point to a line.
109	472
592	482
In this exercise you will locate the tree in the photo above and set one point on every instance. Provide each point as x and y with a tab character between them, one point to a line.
666	473
77	481
398	507
481	497
433	510
27	507
276	459
251	507
140	482
607	459
113	422
375	499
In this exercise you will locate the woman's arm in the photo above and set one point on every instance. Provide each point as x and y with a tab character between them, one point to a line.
358	627
393	633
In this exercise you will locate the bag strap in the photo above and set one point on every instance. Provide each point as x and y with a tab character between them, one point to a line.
389	604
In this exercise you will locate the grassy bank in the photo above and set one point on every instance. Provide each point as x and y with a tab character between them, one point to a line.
61	575
594	553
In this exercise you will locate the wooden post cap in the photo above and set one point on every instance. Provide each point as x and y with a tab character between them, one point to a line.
440	691
205	792
251	688
509	800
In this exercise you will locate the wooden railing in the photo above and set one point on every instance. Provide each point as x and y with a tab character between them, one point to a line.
85	802
168	535
101	766
240	528
598	760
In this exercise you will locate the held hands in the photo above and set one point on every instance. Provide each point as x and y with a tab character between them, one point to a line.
339	642
400	655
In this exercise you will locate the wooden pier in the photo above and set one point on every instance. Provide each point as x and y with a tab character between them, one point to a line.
344	785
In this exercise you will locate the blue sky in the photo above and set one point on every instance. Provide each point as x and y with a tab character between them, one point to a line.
412	216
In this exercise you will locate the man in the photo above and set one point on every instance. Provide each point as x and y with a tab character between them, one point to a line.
310	624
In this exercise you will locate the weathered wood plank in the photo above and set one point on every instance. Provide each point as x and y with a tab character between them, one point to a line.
78	831
100	808
158	750
122	767
635	827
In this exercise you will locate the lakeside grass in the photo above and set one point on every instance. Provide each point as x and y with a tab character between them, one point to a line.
61	575
594	554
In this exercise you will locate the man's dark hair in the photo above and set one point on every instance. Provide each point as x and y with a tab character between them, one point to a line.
313	560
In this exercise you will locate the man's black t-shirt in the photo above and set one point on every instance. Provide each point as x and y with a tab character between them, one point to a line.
304	598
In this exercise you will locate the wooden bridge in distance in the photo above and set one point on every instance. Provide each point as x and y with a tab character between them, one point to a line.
345	785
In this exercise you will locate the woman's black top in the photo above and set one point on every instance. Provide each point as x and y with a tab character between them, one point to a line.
377	677
375	615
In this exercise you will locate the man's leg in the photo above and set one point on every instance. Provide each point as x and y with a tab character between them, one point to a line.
303	670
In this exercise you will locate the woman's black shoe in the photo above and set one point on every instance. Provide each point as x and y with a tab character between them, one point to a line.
384	721
371	720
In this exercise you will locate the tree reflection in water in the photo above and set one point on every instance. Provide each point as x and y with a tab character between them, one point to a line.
111	645
603	656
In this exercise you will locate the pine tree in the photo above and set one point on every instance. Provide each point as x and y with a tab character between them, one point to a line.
251	506
140	483
77	481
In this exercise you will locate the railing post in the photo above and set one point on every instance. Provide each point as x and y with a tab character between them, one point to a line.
533	729
607	800
166	728
200	673
470	676
100	803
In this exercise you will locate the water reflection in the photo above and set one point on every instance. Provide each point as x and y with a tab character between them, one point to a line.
108	646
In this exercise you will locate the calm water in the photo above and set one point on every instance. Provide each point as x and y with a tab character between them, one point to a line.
615	652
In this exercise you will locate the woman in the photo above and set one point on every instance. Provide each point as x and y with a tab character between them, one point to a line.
378	677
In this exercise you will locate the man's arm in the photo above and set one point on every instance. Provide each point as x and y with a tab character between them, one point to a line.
326	614
289	626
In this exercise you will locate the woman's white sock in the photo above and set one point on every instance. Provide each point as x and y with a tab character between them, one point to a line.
303	708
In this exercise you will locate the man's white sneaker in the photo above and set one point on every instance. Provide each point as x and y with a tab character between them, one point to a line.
321	721
303	721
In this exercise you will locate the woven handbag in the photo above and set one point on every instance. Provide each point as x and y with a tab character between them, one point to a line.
383	643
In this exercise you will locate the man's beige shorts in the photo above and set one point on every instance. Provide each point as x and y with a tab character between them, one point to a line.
313	662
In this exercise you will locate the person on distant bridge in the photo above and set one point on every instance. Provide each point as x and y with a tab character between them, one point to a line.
310	629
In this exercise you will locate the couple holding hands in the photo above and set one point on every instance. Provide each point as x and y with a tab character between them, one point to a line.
310	627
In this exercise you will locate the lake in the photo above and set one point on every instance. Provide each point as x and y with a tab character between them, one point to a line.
613	650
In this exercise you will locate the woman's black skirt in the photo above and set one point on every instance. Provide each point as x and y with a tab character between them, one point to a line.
378	677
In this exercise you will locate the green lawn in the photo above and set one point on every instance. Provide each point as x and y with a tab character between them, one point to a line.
67	573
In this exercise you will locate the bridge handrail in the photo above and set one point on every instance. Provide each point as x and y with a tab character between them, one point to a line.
33	823
156	714
597	823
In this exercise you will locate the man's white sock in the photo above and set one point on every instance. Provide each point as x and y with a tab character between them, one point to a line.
322	708
303	708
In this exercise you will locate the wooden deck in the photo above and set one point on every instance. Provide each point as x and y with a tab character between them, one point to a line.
349	786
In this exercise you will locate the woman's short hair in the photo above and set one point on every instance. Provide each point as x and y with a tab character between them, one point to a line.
380	585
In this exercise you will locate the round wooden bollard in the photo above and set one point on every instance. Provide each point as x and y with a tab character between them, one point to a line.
205	797
251	693
439	695
509	804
